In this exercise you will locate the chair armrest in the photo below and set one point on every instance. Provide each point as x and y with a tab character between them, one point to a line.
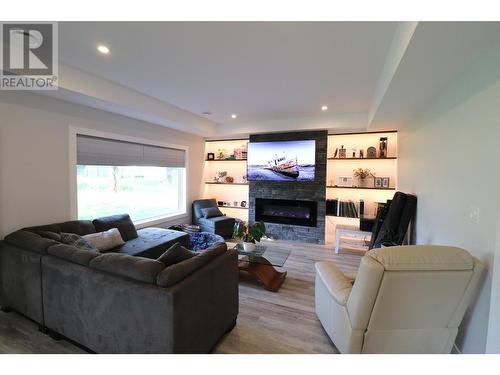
351	276
337	284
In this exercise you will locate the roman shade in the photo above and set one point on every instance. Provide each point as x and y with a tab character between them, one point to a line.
102	151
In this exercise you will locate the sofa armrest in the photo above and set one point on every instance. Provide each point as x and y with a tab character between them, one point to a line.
337	284
351	276
206	304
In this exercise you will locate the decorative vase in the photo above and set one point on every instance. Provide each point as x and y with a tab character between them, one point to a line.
366	182
248	247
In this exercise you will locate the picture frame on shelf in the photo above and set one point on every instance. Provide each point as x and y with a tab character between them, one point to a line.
377	182
210	156
343	181
385	182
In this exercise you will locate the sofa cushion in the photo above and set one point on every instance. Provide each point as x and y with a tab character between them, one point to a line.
80	227
153	242
211	212
175	254
72	254
56	228
122	222
177	272
50	235
75	240
105	241
135	268
30	241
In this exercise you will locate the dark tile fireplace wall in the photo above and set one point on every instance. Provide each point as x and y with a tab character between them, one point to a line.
315	191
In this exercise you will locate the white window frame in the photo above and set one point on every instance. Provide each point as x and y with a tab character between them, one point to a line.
75	131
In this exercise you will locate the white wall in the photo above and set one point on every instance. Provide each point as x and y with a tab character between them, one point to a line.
449	158
493	341
34	150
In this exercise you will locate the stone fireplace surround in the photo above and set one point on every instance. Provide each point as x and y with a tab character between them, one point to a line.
307	191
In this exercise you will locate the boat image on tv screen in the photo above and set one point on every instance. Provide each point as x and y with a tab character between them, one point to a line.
281	161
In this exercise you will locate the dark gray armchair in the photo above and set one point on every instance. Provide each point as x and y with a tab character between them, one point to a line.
218	224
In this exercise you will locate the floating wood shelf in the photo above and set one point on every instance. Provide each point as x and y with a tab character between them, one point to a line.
226	183
356	187
236	207
364	133
364	159
226	160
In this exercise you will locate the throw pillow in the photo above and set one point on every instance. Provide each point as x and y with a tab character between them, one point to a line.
122	222
211	212
50	235
77	241
175	254
106	240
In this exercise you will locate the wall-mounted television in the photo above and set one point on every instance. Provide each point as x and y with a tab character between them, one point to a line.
282	161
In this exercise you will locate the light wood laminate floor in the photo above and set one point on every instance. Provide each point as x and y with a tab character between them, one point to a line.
282	322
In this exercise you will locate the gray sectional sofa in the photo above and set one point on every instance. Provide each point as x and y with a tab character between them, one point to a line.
123	301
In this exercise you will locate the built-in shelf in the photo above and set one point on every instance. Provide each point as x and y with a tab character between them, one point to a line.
363	133
235	207
226	160
226	183
358	187
343	217
364	159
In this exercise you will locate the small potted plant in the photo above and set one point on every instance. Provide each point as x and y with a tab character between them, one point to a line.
362	174
249	234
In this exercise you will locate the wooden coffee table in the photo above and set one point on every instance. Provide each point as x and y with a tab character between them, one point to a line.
260	265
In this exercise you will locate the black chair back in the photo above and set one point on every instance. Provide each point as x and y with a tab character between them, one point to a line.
392	222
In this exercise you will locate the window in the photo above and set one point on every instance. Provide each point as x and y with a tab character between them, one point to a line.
147	182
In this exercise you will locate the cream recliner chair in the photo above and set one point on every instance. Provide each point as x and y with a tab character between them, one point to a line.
405	299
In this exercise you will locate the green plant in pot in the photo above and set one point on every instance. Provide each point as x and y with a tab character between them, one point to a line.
249	233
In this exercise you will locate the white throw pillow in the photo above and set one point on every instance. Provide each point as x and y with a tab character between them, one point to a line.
105	240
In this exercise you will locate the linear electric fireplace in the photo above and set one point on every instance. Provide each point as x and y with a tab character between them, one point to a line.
284	211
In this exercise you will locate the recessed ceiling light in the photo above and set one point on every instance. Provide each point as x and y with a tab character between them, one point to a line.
233	116
324	108
103	49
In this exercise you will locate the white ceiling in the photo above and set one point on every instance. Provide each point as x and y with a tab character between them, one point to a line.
259	70
274	75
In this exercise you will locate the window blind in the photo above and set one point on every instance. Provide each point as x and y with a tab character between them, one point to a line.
102	151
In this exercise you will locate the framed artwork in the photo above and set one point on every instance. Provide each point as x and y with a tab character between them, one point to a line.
210	156
378	182
344	181
385	182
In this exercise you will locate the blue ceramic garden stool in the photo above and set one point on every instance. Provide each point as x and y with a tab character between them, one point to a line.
203	240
